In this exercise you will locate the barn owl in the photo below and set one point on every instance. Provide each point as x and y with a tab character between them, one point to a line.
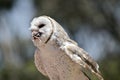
57	56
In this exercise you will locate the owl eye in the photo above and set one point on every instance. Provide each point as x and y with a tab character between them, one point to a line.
41	25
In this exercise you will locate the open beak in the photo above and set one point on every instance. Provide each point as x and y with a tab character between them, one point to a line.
36	35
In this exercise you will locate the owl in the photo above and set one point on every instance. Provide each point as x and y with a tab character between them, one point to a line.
57	56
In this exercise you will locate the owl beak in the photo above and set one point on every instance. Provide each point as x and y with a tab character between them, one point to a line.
36	35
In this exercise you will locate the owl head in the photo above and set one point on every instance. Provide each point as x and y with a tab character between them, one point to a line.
45	29
41	29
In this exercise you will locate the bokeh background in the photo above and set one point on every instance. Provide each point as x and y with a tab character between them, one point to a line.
94	24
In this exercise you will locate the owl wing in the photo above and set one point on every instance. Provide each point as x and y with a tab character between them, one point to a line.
38	62
89	67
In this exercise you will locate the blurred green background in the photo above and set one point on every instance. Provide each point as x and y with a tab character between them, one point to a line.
94	24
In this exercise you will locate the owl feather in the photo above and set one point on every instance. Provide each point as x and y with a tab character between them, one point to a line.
57	56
